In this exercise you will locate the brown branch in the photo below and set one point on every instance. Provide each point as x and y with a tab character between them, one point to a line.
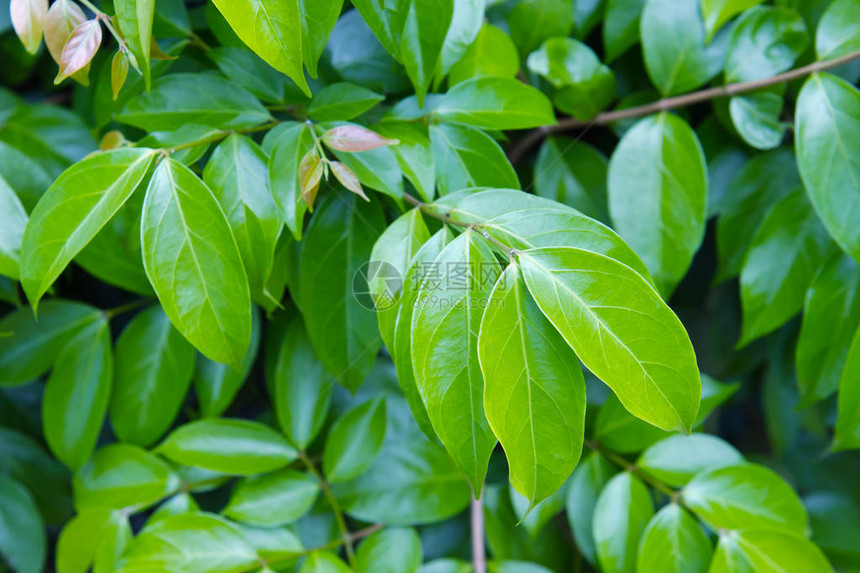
521	148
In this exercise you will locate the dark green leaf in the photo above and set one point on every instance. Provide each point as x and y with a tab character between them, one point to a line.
422	40
573	173
495	103
848	420
533	21
621	28
390	551
22	532
342	101
25	460
586	483
354	441
244	68
318	21
467	157
764	42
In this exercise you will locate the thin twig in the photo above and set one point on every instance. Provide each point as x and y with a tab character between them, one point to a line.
479	556
345	535
522	146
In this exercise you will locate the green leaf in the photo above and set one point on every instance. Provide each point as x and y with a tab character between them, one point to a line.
621	431
714	394
495	103
621	26
745	496
658	174
445	351
467	157
604	329
534	392
677	459
413	154
73	210
674	542
198	99
717	12
757	118
342	101
123	476
183	230
827	134
523	221
390	551
154	365
493	53
354	441
422	40
678	57
77	394
323	562
273	499
390	260
94	537
623	510
11	230
573	173
533	518
216	384
386	21
134	18
759	184
376	168
402	347
273	29
318	20
777	552
238	175
830	317
341	327
289	146
786	251
586	483
22	532
231	446
838	31
533	21
764	42
278	544
412	482
192	543
583	85
848	420
466	23
245	69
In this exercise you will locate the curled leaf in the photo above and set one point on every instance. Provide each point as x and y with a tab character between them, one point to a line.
310	174
355	138
118	72
28	20
80	48
347	178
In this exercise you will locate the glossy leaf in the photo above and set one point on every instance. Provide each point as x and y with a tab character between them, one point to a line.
318	21
289	148
14	220
623	510
94	537
323	562
73	210
601	326
23	543
495	103
756	117
154	365
273	29
390	551
467	157
677	459
838	31
586	483
199	99
848	418
232	446
827	120
621	27
77	394
573	173
422	40
745	496
677	56
534	393
182	227
786	252
674	542
493	53
135	20
339	241
342	101
764	42
445	329
717	12
413	154
748	551
533	21
354	441
583	85
273	499
658	174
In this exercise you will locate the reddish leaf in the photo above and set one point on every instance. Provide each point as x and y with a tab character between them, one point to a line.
347	178
355	138
80	48
28	19
310	174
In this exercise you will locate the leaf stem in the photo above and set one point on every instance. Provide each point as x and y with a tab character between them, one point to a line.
106	19
479	556
632	468
346	537
523	145
219	135
129	306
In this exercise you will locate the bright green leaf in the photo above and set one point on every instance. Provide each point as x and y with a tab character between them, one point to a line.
677	459
390	551
838	31
674	542
764	42
134	18
11	230
495	103
623	510
717	12
467	157
354	441
273	499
